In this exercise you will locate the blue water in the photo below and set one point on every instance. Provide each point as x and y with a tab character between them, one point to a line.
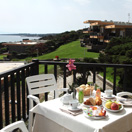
14	38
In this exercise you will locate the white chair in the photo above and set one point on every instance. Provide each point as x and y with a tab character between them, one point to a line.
120	94
19	124
38	84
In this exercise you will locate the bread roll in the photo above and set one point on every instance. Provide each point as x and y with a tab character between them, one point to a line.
83	86
86	89
87	85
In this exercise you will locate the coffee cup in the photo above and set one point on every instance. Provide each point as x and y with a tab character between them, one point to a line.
108	92
73	104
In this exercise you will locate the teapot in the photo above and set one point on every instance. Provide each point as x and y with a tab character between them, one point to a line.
66	98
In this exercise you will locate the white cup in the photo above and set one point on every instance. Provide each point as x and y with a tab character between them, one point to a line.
108	92
73	104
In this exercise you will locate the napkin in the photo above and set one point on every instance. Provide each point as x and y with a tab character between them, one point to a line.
126	101
74	113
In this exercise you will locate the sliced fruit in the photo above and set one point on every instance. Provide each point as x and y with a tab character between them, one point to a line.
104	113
119	105
94	108
101	114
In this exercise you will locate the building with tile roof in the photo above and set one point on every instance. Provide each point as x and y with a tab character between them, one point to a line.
100	33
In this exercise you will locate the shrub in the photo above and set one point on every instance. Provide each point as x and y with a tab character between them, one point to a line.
2	50
129	53
22	55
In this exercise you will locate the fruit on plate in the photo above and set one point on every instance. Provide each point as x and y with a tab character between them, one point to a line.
119	105
108	105
98	111
102	113
113	105
95	111
93	107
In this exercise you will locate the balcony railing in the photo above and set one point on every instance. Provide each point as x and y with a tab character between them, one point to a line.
13	89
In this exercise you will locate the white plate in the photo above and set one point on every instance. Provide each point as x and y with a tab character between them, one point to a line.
113	96
125	102
71	109
87	105
115	110
95	117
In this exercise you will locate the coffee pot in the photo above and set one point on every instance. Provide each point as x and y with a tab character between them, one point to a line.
66	98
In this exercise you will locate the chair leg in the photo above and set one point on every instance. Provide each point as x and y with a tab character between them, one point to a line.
30	123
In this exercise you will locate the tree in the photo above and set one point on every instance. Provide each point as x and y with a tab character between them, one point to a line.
119	51
129	53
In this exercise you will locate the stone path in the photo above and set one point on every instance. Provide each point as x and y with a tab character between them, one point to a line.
69	82
90	79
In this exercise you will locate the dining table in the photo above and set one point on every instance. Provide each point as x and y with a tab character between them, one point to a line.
53	116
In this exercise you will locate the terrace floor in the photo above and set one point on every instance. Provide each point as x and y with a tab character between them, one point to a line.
4	66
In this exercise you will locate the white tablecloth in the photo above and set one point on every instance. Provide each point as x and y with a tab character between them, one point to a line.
115	122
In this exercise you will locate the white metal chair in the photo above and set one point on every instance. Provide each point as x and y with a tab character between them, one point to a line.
19	124
120	94
38	84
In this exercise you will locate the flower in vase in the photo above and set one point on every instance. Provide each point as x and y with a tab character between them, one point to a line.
71	65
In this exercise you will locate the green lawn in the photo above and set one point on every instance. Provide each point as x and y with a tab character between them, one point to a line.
70	50
110	75
1	56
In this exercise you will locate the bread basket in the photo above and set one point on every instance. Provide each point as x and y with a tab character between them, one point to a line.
87	89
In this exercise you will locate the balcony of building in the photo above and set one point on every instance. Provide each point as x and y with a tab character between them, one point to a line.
14	104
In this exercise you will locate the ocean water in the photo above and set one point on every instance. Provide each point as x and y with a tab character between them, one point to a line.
14	38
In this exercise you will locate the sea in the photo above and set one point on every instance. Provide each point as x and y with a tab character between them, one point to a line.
15	38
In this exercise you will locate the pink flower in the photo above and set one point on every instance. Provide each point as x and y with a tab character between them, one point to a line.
71	66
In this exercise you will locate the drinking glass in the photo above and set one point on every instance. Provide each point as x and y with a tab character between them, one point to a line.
92	90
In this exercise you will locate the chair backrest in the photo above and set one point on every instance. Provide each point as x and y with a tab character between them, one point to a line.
42	83
15	125
38	84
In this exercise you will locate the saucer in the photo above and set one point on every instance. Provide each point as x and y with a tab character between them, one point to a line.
113	96
74	109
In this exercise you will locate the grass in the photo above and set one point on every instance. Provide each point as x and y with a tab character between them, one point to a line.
1	56
110	75
70	50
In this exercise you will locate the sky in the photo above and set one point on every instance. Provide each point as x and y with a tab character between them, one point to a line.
57	16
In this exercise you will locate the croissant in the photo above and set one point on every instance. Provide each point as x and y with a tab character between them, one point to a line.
92	100
87	102
98	101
